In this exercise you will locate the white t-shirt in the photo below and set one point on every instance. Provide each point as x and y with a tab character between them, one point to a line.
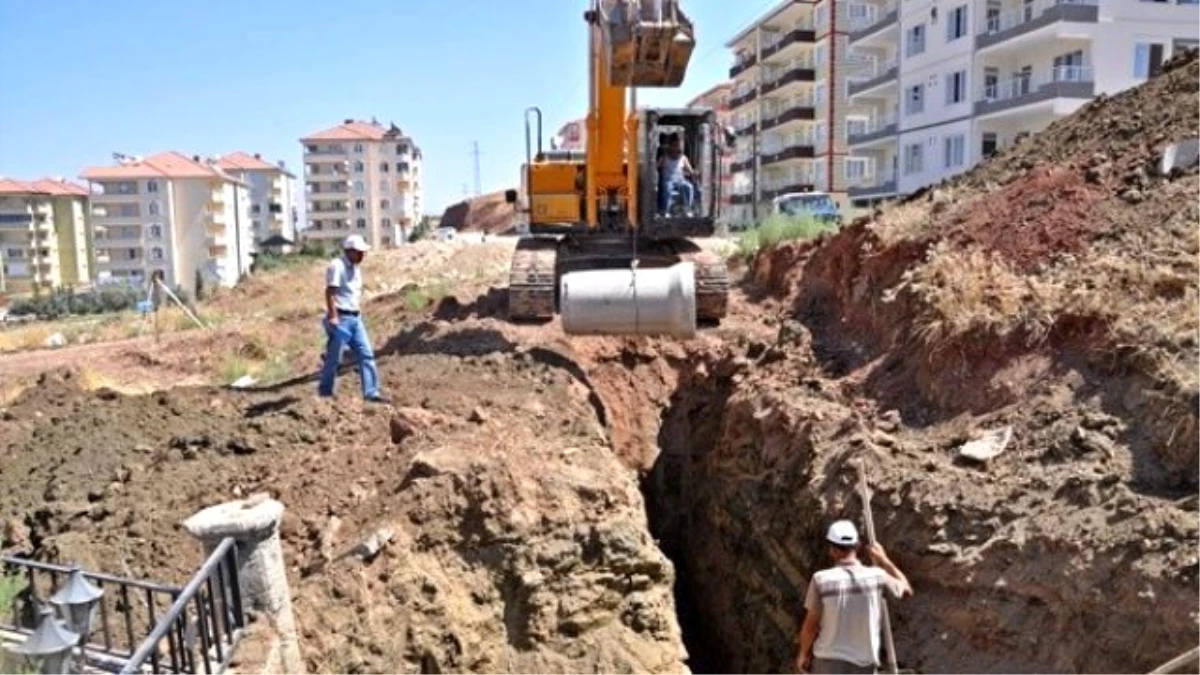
346	280
851	602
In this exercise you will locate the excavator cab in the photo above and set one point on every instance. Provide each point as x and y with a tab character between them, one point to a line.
665	211
649	42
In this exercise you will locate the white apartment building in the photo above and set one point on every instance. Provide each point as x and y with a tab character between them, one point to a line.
43	235
364	178
941	84
168	212
273	216
789	85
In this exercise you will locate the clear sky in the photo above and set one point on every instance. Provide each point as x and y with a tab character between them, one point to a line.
85	78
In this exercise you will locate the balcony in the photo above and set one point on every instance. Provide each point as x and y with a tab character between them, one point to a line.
124	262
881	184
743	64
799	108
797	70
798	146
15	221
742	96
1071	82
800	34
796	181
1024	20
887	72
340	177
875	130
876	20
743	162
118	239
741	198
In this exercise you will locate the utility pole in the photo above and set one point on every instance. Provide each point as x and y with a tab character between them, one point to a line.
475	156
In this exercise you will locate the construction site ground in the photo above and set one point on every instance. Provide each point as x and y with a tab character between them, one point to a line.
644	505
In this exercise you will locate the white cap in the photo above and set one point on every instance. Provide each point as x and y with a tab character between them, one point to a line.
843	533
355	242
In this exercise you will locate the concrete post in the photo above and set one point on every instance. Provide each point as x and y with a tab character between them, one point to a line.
254	525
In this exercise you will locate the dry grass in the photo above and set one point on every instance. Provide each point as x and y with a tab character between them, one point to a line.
960	292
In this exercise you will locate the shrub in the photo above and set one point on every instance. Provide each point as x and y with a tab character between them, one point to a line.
65	302
777	229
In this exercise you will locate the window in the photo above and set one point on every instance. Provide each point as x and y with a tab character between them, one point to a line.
914	102
385	204
990	144
821	16
856	126
126	188
359	167
152	208
385	167
993	16
358	187
386	222
151	186
1069	67
360	204
956	27
401	148
1147	60
385	186
818	133
362	223
358	148
856	167
956	87
155	231
156	253
131	254
954	151
914	159
819	94
819	56
256	209
312	149
128	210
914	43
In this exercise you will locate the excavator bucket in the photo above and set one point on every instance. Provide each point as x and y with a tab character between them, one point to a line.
650	42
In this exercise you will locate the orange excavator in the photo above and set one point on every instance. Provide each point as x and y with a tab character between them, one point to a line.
607	240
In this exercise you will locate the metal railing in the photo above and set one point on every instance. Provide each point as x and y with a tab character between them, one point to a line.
871	14
1027	85
783	70
200	623
997	23
209	608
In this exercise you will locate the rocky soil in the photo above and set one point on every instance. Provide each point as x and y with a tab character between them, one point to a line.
639	505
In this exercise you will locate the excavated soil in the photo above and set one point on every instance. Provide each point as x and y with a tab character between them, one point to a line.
642	505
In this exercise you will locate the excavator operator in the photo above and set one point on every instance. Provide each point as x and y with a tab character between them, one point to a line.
675	174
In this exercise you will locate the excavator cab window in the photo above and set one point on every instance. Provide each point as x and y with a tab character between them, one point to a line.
679	190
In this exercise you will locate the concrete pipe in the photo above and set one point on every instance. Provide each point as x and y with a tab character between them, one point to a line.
658	301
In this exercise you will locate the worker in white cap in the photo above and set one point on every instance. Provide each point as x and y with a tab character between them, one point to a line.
344	324
844	608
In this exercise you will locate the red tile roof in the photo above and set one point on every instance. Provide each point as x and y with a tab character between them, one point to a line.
353	130
165	165
45	186
241	161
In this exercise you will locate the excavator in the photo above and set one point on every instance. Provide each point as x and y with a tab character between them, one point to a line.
603	248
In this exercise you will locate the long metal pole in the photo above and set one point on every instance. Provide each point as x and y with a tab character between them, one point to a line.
865	494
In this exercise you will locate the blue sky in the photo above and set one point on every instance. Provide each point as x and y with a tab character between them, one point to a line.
84	79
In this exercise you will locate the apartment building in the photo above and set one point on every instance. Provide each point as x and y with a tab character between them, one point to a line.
717	98
938	85
572	136
273	216
365	178
179	215
787	104
43	235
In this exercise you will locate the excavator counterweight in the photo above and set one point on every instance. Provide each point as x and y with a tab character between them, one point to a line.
609	242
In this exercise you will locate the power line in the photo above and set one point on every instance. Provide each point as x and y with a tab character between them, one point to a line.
475	155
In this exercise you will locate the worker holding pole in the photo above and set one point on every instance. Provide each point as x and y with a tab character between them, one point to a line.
845	607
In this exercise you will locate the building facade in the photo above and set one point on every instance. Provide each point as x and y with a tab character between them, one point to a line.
788	104
572	136
273	215
170	213
362	178
938	85
717	99
44	242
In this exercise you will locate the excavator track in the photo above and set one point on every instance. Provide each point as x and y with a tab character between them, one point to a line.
532	280
712	286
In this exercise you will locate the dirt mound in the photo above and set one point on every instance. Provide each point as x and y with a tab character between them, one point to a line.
488	213
519	544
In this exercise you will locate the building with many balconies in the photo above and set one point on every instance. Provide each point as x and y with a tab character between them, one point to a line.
788	103
943	84
362	178
43	235
273	216
182	216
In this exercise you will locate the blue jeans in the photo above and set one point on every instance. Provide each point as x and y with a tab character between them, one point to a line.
350	332
687	192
